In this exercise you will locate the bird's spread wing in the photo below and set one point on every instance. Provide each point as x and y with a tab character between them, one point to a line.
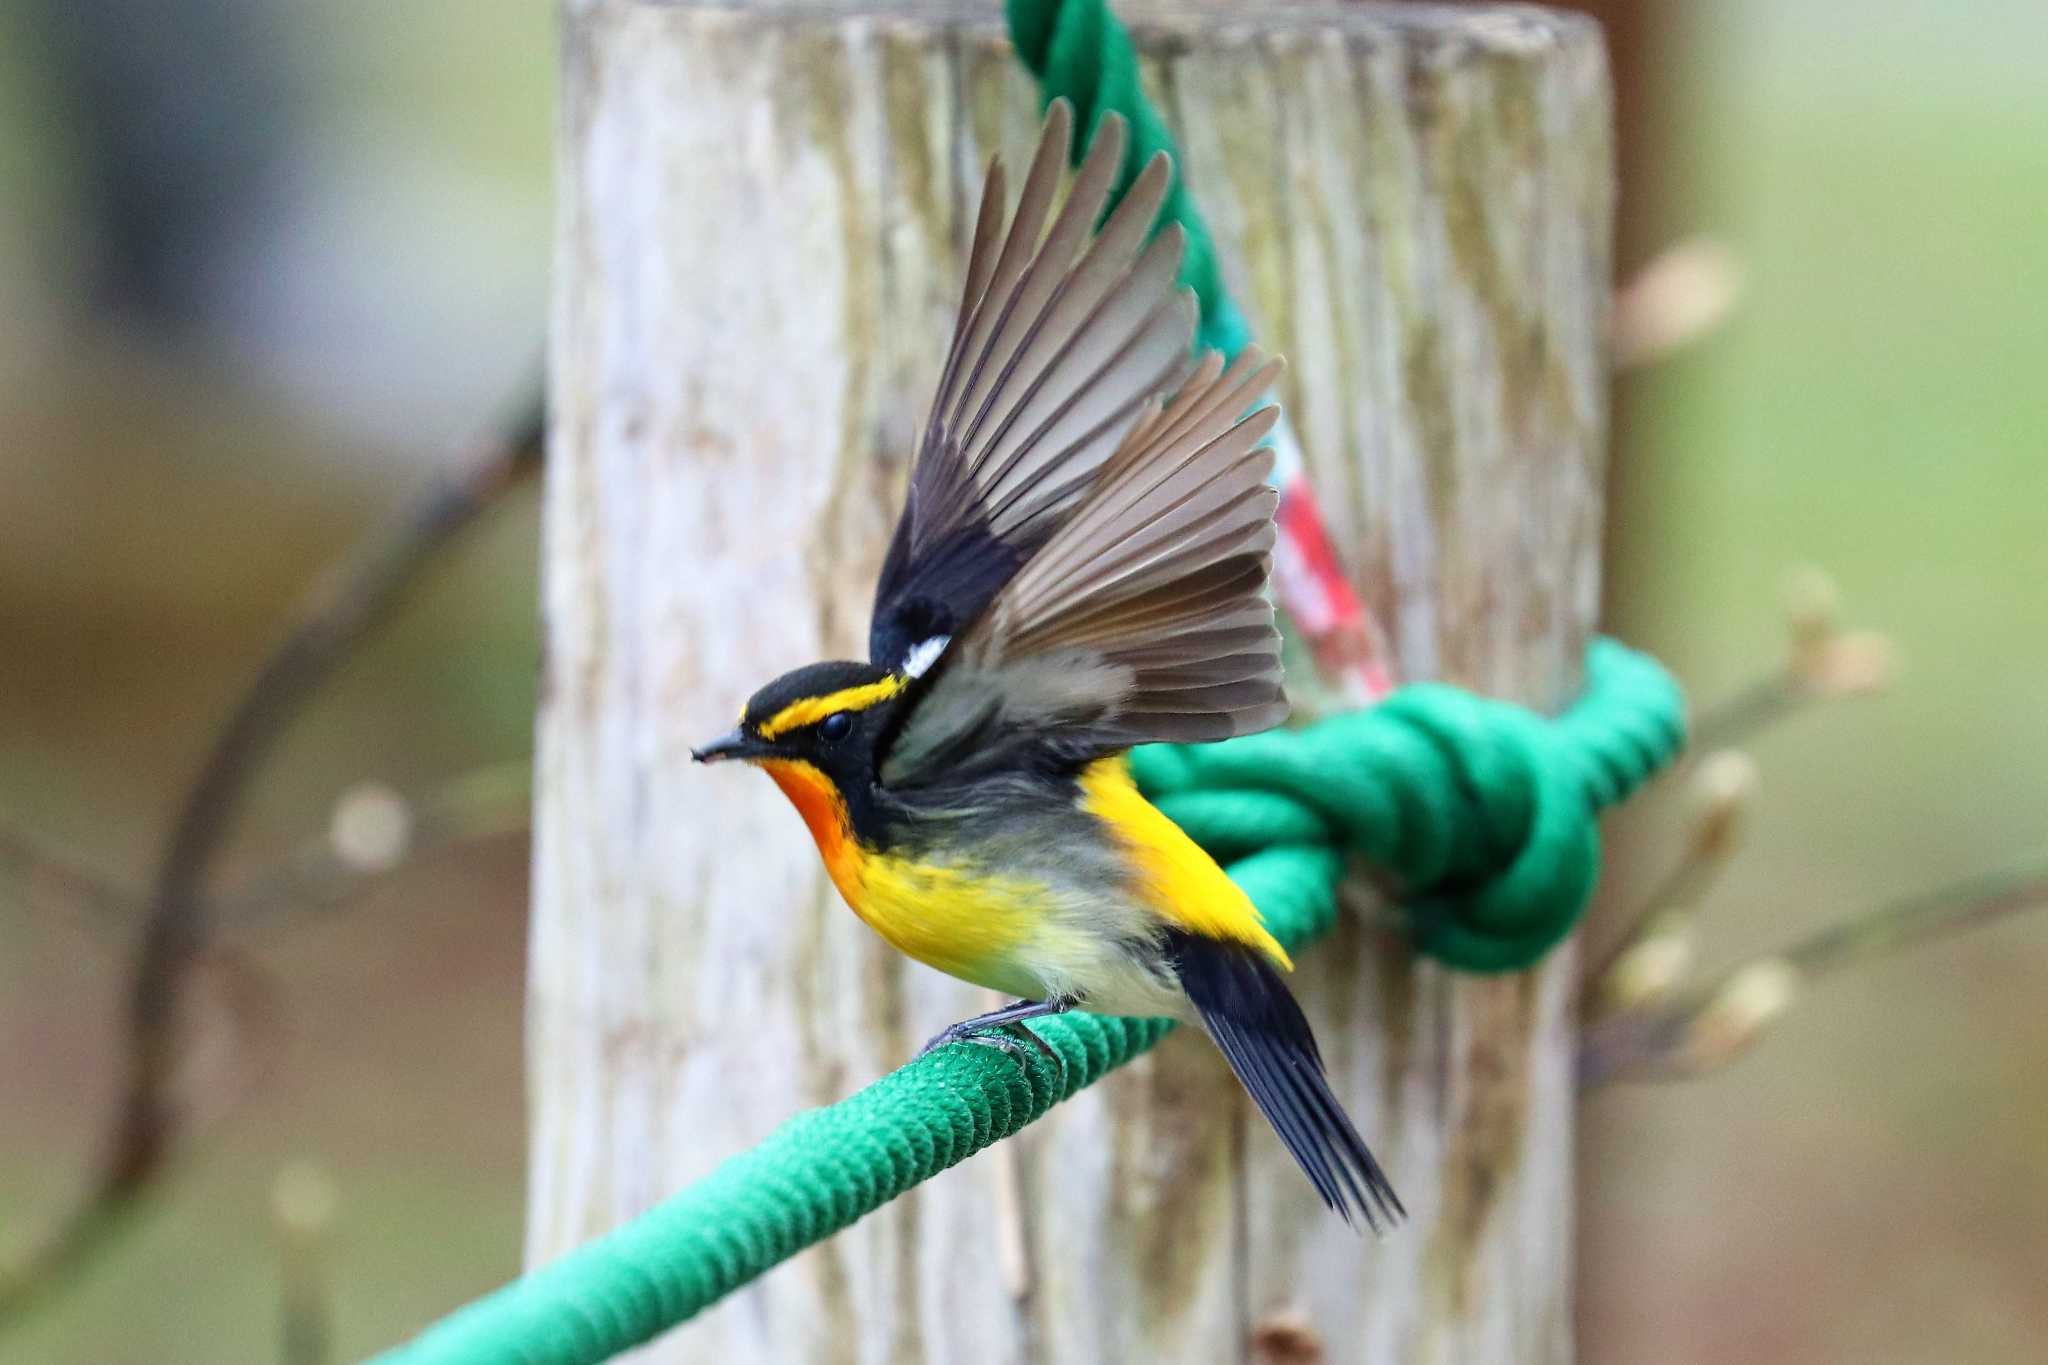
1060	341
1142	617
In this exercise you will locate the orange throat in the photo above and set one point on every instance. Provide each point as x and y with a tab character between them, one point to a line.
818	801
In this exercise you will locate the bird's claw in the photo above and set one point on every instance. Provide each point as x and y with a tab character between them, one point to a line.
1003	1038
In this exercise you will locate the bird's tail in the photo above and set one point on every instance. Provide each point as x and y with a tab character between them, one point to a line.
1260	1029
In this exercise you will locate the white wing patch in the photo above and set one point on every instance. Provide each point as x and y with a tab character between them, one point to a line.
924	654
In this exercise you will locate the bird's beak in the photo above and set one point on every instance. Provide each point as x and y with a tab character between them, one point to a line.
738	744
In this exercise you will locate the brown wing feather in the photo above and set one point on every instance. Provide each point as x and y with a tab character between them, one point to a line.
1059	345
1148	602
1162	571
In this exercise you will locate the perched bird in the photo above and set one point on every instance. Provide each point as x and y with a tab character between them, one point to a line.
1080	567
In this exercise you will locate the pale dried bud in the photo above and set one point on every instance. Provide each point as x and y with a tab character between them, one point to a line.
1853	664
1737	1014
302	1202
371	829
1723	787
1648	970
1680	296
1811	606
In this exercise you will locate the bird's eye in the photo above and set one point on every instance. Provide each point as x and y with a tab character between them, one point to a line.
836	726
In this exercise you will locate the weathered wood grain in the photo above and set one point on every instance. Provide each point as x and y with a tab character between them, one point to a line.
763	215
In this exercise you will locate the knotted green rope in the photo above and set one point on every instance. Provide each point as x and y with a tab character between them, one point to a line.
1480	809
1484	810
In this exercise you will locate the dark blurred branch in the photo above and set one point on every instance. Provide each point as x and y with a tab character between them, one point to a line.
344	605
1710	1027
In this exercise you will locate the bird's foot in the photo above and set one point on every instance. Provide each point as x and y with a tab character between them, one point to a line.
1002	1037
1001	1029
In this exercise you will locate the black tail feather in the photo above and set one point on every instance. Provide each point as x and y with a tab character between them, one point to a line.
1262	1033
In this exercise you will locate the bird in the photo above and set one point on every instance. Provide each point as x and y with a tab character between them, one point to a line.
1080	566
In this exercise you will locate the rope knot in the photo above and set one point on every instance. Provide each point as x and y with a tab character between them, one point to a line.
1482	812
1523	845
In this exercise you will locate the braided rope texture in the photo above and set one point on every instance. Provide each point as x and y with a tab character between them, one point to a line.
1484	811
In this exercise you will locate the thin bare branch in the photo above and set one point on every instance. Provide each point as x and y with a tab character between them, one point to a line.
302	1206
1854	664
319	873
40	866
1654	950
1952	909
322	872
348	601
1823	662
1707	1028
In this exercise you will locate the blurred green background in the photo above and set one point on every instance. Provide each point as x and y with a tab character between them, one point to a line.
180	451
1871	1184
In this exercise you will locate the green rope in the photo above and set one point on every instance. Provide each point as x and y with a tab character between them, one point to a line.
1480	809
1483	809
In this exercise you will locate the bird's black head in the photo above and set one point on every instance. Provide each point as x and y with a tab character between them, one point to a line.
830	716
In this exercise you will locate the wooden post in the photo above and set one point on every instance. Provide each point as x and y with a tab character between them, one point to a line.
763	216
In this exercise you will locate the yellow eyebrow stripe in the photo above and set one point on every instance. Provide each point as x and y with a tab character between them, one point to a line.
811	710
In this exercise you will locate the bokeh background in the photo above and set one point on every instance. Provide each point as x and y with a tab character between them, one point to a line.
262	266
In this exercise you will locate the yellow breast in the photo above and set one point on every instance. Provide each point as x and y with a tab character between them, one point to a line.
965	922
